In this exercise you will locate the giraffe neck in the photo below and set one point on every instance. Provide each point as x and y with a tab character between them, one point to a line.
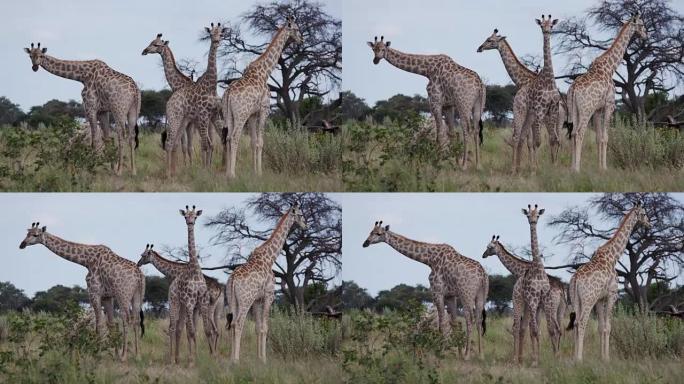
167	267
613	56
617	244
514	264
275	243
68	250
410	248
534	244
74	70
192	249
174	76
266	62
418	64
519	73
547	70
208	80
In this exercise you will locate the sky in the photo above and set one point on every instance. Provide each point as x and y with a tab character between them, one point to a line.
113	31
465	221
125	222
455	28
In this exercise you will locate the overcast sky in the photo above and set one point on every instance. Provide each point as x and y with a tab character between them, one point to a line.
113	31
123	221
465	221
455	28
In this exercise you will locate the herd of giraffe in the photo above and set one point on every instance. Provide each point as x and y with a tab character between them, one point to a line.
193	105
456	279
454	89
114	280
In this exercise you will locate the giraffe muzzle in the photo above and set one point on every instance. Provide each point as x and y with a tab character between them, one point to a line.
366	244
22	245
144	52
35	67
376	60
480	49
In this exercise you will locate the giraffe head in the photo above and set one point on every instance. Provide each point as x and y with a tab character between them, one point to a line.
156	46
532	214
379	48
642	218
190	215
146	256
216	32
377	234
293	30
546	24
492	42
298	216
34	235
491	247
638	25
36	54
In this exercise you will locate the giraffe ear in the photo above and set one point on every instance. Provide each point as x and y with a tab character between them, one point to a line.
29	51
207	29
199	213
166	42
44	229
541	211
538	21
44	50
554	22
387	44
370	44
182	212
524	211
387	228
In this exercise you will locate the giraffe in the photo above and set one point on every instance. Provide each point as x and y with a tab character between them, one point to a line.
541	105
451	88
173	269
176	80
593	94
187	292
595	283
247	100
453	277
523	77
518	268
104	91
197	103
110	279
252	285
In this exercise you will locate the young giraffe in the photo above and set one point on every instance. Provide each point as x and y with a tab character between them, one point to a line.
253	285
518	267
104	91
595	283
593	94
522	77
196	103
186	292
110	278
173	269
453	277
176	80
451	88
541	105
247	100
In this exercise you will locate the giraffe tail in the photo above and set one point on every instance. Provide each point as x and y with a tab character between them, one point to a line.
481	133
574	301
231	303
137	141
483	98
570	107
142	323
484	321
163	139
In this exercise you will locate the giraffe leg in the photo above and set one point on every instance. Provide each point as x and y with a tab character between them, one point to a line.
261	126
234	144
190	328
601	320
179	324
550	307
125	315
207	323
551	123
468	314
608	111
519	132
95	302
438	299
239	323
581	325
252	123
524	323
435	101
189	148
610	303
577	140
203	123
534	330
173	133
518	309
268	301
450	119
132	122
257	310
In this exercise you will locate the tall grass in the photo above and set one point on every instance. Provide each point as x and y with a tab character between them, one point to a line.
293	160
293	337
392	157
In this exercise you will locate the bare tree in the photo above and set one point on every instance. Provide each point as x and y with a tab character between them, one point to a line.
652	255
313	68
308	256
650	65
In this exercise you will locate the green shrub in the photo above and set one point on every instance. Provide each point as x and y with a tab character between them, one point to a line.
632	146
296	151
294	336
635	336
